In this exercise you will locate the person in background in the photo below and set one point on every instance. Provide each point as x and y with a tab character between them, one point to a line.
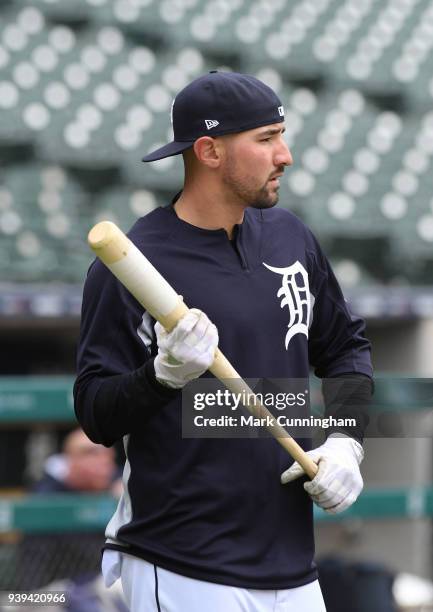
81	466
70	561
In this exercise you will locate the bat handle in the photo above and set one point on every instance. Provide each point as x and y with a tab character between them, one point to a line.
299	455
224	371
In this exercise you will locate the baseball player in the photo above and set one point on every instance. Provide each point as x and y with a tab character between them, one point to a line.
221	524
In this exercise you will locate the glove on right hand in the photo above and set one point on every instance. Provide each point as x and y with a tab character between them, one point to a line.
187	351
338	481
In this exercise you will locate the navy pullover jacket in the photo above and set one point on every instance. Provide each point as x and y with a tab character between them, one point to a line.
213	509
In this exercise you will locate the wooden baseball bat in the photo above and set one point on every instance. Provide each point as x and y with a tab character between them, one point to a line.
162	302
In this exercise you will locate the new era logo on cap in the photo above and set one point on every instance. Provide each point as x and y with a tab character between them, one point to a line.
281	111
211	123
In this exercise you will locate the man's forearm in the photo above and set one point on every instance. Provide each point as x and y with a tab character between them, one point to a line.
109	408
348	396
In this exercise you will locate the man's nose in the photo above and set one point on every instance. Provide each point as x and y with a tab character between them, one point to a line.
283	156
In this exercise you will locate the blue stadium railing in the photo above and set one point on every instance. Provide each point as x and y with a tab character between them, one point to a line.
33	399
83	512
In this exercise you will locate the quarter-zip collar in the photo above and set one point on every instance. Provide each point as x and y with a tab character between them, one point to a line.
245	245
238	246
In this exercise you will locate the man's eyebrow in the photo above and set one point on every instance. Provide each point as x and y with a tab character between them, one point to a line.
273	131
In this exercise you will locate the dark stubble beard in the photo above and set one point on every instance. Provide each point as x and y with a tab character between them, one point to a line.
265	199
242	188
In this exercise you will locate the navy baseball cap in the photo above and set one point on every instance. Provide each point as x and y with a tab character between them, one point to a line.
219	103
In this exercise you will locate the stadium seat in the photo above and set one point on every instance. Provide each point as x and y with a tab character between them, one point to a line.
123	206
40	220
286	38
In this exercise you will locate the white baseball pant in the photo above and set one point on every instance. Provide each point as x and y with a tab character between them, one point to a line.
149	588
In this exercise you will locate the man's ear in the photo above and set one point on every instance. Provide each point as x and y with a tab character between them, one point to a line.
208	151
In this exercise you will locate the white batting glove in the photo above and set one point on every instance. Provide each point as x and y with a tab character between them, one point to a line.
187	351
338	481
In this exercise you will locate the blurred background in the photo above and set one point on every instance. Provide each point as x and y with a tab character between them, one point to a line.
86	88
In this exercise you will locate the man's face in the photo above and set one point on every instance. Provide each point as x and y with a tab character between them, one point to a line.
254	161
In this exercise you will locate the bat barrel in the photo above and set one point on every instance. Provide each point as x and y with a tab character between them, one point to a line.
108	242
136	273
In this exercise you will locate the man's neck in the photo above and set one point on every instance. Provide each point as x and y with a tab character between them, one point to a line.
208	212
